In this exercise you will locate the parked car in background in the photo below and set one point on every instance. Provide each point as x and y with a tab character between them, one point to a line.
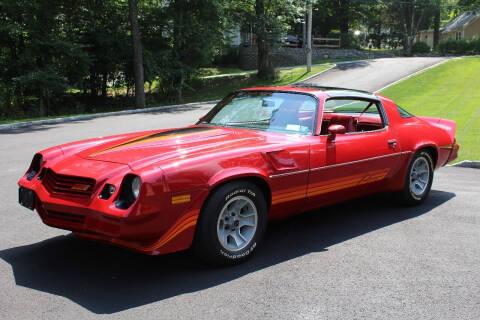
293	41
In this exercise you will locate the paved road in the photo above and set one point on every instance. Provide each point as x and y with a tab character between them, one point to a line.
372	75
363	259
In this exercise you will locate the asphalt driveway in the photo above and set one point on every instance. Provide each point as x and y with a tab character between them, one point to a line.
367	258
372	75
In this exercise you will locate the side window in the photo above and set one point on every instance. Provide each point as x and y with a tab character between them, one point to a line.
356	115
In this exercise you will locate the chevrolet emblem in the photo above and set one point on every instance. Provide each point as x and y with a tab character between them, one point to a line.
80	187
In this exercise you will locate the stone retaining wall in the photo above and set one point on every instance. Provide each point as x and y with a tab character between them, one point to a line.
284	57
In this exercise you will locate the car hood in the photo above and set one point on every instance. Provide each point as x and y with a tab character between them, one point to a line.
162	145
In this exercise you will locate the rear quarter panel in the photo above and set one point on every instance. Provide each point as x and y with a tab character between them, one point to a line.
415	133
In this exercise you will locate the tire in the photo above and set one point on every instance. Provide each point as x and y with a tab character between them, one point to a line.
232	224
416	187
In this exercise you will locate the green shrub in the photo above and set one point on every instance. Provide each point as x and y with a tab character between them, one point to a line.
420	47
226	56
349	41
476	45
450	46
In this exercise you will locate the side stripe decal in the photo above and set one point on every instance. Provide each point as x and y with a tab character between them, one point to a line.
331	185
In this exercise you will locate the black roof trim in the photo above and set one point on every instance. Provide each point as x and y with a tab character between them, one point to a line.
337	91
325	88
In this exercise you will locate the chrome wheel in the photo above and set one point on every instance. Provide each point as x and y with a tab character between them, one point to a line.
237	223
419	176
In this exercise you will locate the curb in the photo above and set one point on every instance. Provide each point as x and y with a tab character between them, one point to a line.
18	125
467	164
226	75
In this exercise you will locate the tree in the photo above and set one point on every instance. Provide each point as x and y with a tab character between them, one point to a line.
436	25
265	67
269	20
137	54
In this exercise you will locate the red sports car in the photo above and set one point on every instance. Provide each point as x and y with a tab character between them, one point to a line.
259	154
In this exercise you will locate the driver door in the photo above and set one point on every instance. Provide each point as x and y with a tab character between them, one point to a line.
357	162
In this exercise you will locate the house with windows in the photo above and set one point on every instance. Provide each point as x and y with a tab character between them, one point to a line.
464	26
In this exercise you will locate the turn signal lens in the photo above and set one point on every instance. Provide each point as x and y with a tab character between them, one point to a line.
107	191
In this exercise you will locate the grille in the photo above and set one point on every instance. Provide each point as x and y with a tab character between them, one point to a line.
68	185
70	217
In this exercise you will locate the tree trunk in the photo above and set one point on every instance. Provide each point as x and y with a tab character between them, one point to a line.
265	68
344	21
436	27
104	85
137	54
378	31
408	24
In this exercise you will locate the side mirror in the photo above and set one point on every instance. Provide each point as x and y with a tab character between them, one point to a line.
201	118
335	129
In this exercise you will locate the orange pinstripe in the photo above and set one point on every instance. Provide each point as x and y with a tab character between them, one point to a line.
139	140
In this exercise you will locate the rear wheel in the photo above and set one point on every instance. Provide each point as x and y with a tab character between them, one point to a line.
418	179
232	224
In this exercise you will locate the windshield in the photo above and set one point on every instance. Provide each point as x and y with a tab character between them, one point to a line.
266	111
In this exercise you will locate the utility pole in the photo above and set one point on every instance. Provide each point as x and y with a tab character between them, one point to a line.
304	26
309	37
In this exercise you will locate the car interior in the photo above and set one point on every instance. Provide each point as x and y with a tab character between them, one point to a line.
354	115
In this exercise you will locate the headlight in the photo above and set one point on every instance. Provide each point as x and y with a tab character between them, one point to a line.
136	183
35	166
129	191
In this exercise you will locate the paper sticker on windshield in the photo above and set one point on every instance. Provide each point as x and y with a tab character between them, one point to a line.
293	127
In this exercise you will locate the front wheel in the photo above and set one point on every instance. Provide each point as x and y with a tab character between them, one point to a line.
418	179
232	224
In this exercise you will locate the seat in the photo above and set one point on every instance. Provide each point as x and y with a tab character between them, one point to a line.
346	121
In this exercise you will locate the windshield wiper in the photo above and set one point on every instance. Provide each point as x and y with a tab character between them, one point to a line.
248	122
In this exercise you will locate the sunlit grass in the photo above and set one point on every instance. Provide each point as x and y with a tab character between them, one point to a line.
450	90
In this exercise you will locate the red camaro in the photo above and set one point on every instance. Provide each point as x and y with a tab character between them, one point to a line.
259	154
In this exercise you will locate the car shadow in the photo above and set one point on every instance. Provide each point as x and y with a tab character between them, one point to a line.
105	279
352	65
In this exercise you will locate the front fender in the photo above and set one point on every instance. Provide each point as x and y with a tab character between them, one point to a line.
235	173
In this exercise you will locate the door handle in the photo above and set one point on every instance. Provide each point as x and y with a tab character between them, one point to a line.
393	143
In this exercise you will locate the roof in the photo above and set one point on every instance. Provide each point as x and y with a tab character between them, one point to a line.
329	91
459	22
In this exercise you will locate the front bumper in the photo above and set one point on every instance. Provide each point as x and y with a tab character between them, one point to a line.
153	232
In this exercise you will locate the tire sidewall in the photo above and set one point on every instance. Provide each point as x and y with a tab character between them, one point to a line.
208	232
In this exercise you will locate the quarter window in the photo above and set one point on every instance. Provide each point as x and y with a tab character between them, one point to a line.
403	112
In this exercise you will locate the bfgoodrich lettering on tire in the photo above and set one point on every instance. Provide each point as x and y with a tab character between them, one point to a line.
418	179
232	223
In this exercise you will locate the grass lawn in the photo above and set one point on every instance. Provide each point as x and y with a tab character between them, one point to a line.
450	90
213	71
